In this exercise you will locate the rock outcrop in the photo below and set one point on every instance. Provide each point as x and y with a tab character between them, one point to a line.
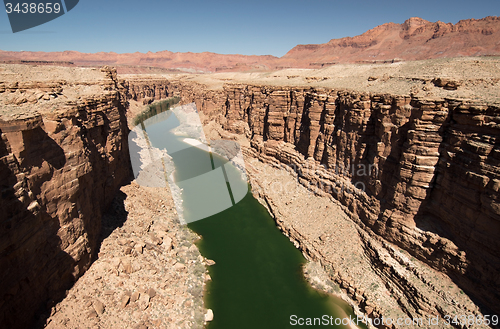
63	155
145	275
422	173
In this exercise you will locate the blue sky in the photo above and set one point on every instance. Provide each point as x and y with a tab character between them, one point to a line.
227	27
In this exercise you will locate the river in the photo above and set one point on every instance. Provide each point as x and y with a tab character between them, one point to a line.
257	280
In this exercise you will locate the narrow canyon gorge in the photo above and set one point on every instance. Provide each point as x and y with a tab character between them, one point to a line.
395	197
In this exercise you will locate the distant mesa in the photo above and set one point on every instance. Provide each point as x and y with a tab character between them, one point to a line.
415	39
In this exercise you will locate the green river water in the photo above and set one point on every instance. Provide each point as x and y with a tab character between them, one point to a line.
257	281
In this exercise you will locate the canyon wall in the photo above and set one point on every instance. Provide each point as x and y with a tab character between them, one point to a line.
146	90
60	166
422	173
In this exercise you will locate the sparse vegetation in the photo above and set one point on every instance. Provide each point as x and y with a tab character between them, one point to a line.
154	109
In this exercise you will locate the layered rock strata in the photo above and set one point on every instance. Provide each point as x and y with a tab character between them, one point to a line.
422	173
378	279
63	155
146	90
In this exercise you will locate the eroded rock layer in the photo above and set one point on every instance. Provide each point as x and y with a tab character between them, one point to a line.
146	90
62	160
422	173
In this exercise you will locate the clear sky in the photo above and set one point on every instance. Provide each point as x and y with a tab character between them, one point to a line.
227	27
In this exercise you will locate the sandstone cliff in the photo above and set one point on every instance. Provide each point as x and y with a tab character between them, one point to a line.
146	90
63	155
422	173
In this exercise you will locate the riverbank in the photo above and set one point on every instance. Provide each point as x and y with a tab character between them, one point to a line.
148	274
257	281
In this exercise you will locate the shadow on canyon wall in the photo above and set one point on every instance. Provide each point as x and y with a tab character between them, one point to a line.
28	236
115	216
54	190
460	211
467	262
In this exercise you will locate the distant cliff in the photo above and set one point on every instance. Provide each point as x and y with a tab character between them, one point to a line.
415	39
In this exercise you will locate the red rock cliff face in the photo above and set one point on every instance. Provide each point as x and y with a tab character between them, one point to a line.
415	39
424	174
58	171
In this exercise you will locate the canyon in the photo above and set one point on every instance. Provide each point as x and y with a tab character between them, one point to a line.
415	39
422	173
398	167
